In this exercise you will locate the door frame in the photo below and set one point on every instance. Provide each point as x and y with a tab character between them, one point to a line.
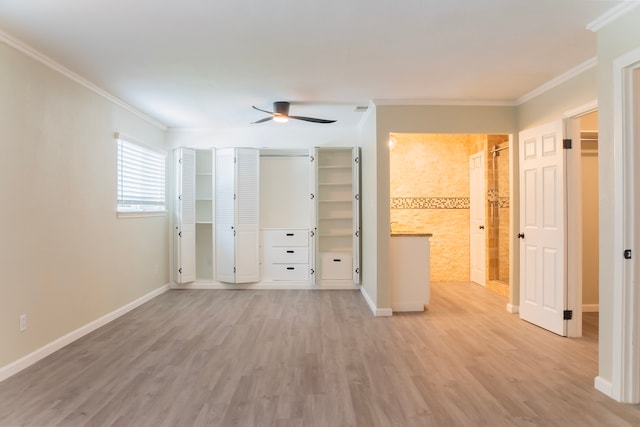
482	209
574	214
625	379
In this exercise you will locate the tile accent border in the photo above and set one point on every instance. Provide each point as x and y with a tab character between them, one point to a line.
430	202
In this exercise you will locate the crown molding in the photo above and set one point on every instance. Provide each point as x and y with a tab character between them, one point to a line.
443	102
558	81
611	15
45	60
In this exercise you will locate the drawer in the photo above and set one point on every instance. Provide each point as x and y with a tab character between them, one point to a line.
285	237
336	266
287	254
292	272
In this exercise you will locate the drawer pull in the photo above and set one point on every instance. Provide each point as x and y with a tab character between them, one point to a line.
290	252
290	234
337	260
291	268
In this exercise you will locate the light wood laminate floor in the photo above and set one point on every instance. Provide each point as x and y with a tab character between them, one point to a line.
316	358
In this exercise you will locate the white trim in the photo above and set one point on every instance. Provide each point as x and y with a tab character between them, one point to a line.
577	70
603	386
587	108
378	312
370	110
590	308
611	15
407	306
39	354
513	309
43	59
278	285
625	378
446	102
140	214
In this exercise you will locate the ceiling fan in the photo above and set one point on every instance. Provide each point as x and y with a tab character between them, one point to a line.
280	114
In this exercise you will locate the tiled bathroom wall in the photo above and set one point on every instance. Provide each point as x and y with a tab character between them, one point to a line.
429	188
430	194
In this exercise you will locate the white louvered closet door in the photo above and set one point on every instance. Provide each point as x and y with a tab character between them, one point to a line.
185	219
224	217
247	215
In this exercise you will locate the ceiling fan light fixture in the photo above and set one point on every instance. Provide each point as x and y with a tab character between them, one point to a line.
280	114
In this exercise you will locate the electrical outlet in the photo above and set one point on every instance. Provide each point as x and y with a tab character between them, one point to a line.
23	322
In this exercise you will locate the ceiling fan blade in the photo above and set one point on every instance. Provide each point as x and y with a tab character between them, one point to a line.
311	119
266	119
264	111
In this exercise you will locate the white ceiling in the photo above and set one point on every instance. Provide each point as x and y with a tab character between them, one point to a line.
203	63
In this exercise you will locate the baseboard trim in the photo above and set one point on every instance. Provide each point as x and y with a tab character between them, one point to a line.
590	308
39	354
378	312
513	309
283	285
407	306
603	386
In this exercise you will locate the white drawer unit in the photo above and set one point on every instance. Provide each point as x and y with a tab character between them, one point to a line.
336	266
278	237
283	272
285	254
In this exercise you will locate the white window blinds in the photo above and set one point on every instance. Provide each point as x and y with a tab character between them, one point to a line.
141	177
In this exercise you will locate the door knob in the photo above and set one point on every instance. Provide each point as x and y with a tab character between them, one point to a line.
520	235
481	227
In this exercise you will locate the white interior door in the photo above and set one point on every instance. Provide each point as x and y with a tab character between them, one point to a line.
477	236
543	290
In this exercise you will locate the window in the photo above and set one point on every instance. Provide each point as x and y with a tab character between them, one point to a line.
141	178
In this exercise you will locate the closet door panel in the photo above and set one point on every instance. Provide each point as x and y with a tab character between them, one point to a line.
224	218
357	245
185	217
247	215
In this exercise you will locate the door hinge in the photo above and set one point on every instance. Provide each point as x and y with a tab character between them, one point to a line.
234	270
180	270
358	270
311	159
627	254
567	315
566	144
179	233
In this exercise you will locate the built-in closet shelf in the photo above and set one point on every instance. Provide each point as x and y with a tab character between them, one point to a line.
334	184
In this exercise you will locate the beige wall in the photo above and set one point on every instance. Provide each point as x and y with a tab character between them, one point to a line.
66	260
551	105
616	39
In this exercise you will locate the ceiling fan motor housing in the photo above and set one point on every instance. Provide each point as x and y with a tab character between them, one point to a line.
281	107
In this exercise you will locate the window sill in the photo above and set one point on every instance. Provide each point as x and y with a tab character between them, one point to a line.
140	214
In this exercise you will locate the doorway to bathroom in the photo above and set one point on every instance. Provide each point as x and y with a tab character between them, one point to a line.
430	192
